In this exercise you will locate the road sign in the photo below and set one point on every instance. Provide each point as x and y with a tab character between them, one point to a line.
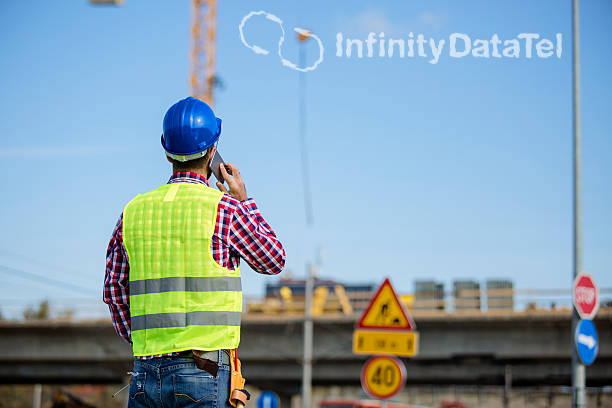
385	311
586	340
385	327
586	296
398	343
382	377
268	399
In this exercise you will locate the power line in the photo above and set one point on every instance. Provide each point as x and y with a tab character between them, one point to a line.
43	279
35	261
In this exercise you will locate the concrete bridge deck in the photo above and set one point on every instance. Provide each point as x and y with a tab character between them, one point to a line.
459	348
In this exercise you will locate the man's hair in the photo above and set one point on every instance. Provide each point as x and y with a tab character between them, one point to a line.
191	164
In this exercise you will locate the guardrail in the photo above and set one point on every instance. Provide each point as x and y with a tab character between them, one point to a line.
335	302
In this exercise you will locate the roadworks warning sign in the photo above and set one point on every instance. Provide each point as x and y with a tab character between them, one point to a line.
385	327
385	311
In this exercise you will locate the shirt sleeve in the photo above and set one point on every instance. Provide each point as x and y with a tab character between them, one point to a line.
251	237
116	283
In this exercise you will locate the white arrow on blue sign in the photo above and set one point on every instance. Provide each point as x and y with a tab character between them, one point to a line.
586	340
267	399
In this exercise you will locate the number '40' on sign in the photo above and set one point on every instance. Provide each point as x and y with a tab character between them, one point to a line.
383	376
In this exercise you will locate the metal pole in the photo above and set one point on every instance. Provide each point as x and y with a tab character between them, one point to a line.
37	396
578	370
303	146
308	340
507	385
308	335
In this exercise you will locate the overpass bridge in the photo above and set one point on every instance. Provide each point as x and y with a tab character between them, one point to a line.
459	348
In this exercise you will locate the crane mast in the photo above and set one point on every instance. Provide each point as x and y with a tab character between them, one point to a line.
203	37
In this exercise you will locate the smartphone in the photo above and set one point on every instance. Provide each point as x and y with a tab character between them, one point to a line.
214	166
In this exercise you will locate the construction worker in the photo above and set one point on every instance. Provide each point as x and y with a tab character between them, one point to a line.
172	269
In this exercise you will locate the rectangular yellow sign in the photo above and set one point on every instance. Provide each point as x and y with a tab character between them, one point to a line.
398	343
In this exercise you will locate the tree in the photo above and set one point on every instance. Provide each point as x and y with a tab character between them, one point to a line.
41	314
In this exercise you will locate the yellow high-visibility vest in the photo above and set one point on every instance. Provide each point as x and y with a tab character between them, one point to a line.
180	298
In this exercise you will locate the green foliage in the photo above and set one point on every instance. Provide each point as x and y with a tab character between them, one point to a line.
42	313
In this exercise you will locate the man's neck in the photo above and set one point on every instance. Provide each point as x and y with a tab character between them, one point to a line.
197	171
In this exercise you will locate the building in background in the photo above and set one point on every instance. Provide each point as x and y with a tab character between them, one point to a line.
500	294
466	294
428	295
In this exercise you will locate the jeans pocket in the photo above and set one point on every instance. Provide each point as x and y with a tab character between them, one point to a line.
194	390
137	397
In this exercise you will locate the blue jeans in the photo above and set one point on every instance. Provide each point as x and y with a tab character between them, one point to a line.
177	383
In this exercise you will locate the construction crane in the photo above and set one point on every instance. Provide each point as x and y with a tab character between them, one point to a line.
202	77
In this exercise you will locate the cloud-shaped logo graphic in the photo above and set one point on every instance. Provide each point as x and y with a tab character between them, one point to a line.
259	50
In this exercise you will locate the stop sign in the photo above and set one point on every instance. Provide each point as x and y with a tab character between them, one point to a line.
586	296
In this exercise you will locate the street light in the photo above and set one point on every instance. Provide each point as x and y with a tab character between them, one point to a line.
308	335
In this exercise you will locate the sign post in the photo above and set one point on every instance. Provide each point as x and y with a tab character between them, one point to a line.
578	371
586	303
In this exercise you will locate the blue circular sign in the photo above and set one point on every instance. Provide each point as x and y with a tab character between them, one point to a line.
586	340
268	399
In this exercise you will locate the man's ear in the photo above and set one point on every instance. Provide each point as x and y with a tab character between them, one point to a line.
169	159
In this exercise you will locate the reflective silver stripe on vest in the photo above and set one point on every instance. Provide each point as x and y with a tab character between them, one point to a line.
185	284
202	318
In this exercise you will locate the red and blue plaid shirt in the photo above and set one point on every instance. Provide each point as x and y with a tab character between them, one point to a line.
240	232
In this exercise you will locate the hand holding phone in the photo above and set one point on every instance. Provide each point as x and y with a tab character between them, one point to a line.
234	180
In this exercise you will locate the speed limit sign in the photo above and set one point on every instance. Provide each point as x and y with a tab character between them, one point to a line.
382	377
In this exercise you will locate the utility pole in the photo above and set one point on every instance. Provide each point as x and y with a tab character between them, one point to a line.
308	335
578	369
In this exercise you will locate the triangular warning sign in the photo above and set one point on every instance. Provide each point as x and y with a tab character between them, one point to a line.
385	311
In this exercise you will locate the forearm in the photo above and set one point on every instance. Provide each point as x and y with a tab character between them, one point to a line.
120	316
116	298
255	241
116	283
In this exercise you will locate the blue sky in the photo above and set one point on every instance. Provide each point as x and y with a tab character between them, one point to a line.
460	169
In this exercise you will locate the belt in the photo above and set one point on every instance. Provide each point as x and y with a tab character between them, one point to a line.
208	355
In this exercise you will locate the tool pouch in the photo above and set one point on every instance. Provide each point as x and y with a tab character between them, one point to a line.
205	364
238	395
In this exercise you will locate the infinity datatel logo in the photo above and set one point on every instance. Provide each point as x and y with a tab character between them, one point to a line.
459	45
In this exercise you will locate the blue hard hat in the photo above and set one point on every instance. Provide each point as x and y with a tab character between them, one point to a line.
190	128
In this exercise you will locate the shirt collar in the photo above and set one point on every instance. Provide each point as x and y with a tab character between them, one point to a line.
187	177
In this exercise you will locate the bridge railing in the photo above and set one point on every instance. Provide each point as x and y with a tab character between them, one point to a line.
467	300
339	302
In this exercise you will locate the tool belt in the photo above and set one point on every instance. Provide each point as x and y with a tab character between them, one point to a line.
209	362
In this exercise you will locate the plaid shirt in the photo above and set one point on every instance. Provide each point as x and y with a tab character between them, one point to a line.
240	232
